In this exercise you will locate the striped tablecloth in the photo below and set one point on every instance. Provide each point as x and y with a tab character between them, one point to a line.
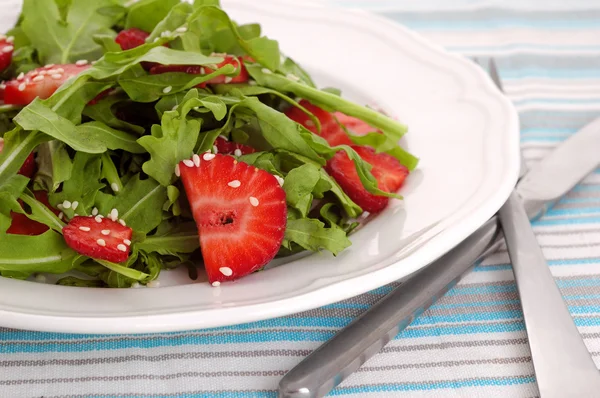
472	343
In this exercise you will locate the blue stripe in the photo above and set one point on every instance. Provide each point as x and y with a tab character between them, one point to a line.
487	25
558	101
488	268
523	46
529	72
575	211
567	221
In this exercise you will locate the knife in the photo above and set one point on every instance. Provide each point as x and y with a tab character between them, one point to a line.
351	347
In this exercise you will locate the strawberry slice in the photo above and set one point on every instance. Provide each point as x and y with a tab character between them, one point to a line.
232	148
40	82
240	212
330	129
22	225
131	38
6	51
355	125
242	77
28	167
387	170
99	238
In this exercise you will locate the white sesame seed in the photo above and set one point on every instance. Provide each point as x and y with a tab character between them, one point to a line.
22	87
293	77
52	71
74	205
202	70
156	39
81	62
66	204
21	76
188	163
61	215
60	206
167	89
122	247
252	82
175	108
40	278
10	39
228	79
34	73
114	214
234	183
177	170
85	229
49	66
98	218
43	73
38	78
166	33
181	29
310	123
279	180
2	37
223	137
196	160
114	186
266	71
208	156
127	242
226	271
60	70
105	232
237	152
101	242
2	86
253	201
95	211
216	283
215	149
56	76
153	284
7	49
122	222
135	285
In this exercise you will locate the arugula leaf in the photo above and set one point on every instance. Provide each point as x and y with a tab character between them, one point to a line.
172	203
109	137
176	18
40	213
351	208
110	174
174	240
54	165
122	270
9	193
383	143
147	14
66	41
18	144
290	68
299	185
78	282
311	234
102	112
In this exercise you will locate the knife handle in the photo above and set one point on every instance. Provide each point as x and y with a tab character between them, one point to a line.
336	359
563	365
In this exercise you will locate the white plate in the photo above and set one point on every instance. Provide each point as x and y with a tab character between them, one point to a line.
463	129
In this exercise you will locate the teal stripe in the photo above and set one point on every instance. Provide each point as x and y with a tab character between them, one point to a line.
489	268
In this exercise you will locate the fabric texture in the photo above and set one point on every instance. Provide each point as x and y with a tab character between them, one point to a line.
472	342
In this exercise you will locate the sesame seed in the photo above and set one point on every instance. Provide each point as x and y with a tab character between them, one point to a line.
105	232
127	242
252	83
202	70
223	137
114	214
226	271
40	278
61	215
167	89
21	76
2	37
293	77
43	73
166	33
253	201
38	78
52	71
2	86
98	218
177	170
60	206
7	49
135	285
122	222
56	76
101	242
81	62
208	156
114	186
266	71
74	205
85	229
234	183
175	108
60	70
309	123
49	66
279	180
34	73
95	211
196	160
216	283
122	247
153	284
22	87
66	204
228	79
181	29
237	152
188	163
215	149
10	39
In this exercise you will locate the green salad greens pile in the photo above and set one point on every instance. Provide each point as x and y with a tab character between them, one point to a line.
111	136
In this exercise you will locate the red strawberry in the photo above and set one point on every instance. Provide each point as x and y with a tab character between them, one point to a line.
6	52
28	167
131	38
232	148
330	129
388	172
99	238
22	225
355	125
242	77
40	82
240	212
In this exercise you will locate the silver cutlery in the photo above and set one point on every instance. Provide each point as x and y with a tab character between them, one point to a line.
537	190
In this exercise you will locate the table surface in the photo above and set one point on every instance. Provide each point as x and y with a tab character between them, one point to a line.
472	343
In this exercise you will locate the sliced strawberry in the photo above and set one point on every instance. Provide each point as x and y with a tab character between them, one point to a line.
240	212
355	125
242	77
28	167
99	238
40	82
232	148
131	38
330	129
6	52
22	225
388	172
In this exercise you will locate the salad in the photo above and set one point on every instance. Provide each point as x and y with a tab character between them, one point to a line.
144	136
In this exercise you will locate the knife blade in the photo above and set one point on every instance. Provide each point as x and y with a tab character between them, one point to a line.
352	346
